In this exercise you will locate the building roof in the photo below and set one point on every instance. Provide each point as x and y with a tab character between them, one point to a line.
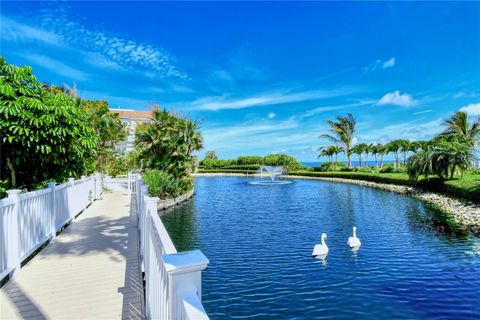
133	114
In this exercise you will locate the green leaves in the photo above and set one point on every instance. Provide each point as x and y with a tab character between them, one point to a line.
43	131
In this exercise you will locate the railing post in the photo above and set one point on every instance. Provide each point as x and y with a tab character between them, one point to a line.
94	177
53	230
13	257
70	198
143	210
85	191
184	271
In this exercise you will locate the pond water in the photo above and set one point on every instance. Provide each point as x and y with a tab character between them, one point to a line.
259	241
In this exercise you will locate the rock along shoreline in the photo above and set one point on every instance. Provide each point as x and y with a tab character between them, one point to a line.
465	213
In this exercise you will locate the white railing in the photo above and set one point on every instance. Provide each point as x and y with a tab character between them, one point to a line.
28	220
173	280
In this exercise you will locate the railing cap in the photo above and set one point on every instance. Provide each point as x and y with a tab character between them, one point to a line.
185	262
13	192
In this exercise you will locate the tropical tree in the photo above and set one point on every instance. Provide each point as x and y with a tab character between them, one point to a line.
325	152
108	127
342	133
359	149
382	151
374	150
394	147
44	134
405	147
210	155
167	144
336	150
459	126
443	158
368	150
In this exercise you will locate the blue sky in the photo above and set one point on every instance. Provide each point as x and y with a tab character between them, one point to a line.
261	76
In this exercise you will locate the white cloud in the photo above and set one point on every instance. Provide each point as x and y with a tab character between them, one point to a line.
381	64
56	66
473	109
271	115
14	31
322	109
389	63
221	103
422	112
397	99
101	48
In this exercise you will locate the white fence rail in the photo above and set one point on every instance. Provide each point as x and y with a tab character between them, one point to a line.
172	280
28	220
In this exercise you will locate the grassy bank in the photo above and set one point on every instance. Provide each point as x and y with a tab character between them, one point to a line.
466	188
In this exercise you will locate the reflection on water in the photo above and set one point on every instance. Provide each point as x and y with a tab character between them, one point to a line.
412	263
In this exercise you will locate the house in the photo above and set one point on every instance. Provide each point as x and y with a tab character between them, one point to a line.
132	118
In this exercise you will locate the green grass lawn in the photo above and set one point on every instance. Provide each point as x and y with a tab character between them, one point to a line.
467	187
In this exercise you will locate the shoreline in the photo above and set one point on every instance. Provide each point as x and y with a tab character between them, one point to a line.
464	212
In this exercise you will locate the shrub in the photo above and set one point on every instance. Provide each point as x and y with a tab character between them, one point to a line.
330	166
250	160
288	162
164	185
387	168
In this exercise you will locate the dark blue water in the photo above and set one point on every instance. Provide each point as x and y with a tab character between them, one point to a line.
259	240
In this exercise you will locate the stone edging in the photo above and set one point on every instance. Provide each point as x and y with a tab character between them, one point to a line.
165	204
466	213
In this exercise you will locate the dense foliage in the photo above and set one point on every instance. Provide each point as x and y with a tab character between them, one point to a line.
253	162
166	143
163	185
44	132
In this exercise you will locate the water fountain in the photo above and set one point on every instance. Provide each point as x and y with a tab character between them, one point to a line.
273	172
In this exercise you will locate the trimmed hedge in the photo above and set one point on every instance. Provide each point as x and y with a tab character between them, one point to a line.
466	188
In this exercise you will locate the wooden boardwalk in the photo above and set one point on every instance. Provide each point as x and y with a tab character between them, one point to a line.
90	271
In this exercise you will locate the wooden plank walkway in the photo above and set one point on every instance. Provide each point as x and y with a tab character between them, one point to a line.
90	271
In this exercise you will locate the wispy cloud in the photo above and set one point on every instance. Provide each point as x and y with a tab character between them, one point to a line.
105	48
221	103
56	66
473	109
15	31
423	112
416	129
397	99
271	115
381	64
323	109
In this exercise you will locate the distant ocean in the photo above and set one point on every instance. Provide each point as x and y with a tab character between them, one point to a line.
354	163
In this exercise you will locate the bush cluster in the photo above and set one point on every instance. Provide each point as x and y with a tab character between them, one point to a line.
164	185
254	162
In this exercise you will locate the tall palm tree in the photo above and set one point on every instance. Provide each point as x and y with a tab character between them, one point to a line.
374	150
359	149
405	146
394	146
459	126
336	151
382	151
368	150
342	133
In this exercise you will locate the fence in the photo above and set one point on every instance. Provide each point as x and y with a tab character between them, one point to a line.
173	284
28	220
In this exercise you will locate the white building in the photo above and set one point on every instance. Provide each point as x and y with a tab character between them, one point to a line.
132	118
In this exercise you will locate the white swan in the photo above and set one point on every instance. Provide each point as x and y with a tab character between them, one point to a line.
354	242
321	249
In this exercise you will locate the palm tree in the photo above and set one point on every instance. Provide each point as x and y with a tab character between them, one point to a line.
368	149
375	150
358	149
459	126
382	151
405	146
336	150
394	146
325	152
342	133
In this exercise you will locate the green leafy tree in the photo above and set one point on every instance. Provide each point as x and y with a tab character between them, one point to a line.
359	149
210	155
167	143
394	147
405	147
382	151
108	127
459	126
342	133
44	134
